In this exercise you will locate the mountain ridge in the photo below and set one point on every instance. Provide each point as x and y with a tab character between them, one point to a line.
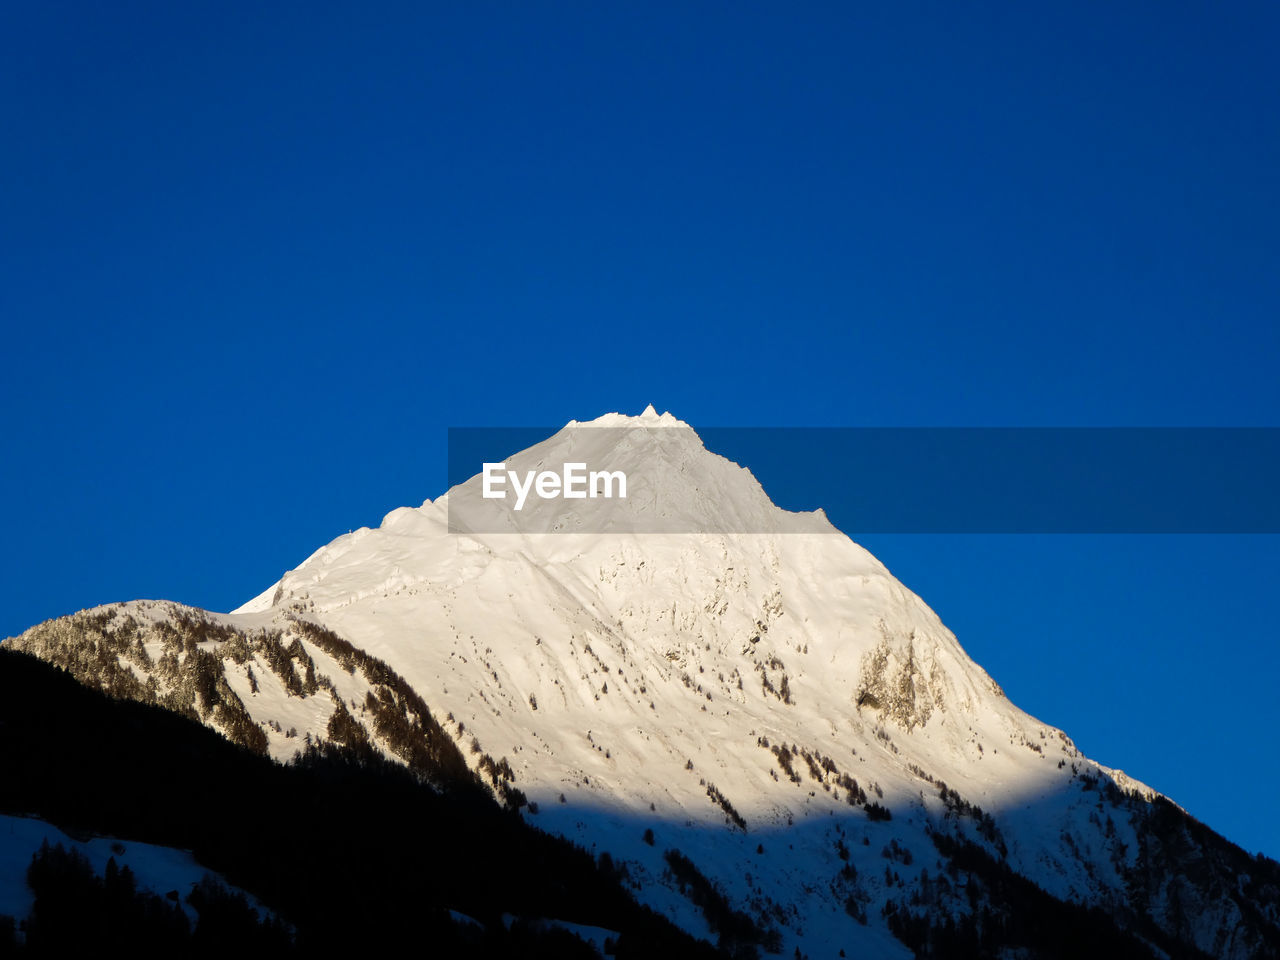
729	686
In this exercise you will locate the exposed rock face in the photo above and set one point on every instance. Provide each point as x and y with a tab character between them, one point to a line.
774	707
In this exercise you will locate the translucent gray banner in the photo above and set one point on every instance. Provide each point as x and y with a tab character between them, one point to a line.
671	479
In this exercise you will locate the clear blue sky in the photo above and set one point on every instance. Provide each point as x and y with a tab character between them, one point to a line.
255	261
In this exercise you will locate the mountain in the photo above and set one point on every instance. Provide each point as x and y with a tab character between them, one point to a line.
777	744
352	851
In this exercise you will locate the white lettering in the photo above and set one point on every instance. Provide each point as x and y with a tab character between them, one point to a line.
572	483
548	484
574	475
608	479
491	477
521	492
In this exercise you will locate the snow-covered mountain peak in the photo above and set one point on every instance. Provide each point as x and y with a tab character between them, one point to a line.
813	623
649	417
673	484
749	684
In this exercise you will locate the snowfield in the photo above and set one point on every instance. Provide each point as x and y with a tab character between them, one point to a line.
775	706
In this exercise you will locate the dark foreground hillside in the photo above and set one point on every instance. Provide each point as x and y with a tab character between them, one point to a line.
350	850
354	852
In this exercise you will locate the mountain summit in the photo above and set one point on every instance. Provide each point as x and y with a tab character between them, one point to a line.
673	485
757	709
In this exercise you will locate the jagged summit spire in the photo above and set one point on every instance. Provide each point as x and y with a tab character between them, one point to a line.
649	413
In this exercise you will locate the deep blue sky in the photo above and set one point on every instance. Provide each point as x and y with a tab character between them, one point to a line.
255	261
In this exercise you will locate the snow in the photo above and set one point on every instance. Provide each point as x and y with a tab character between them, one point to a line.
630	671
158	869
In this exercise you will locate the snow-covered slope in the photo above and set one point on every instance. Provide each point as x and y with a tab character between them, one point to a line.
158	870
775	706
